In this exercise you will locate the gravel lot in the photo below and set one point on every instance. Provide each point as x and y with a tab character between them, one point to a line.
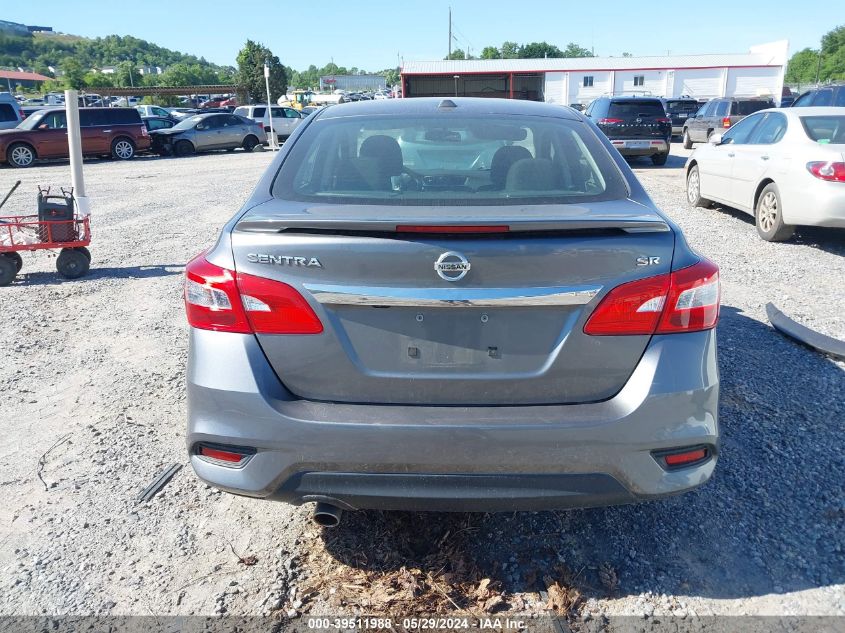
93	403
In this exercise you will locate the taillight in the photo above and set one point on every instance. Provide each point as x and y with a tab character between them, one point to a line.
610	121
827	170
726	122
454	228
22	113
221	300
686	300
144	131
664	120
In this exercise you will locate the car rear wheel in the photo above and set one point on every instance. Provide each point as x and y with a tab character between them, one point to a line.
8	270
660	159
769	216
72	263
184	148
687	140
20	155
250	142
694	189
122	148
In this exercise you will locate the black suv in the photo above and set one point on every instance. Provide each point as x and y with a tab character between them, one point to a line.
636	126
833	95
679	109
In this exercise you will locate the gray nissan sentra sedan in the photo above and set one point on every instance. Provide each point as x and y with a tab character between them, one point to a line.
451	304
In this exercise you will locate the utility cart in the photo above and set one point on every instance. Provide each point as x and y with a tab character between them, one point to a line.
57	226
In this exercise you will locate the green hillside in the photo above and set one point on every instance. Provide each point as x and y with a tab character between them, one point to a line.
40	51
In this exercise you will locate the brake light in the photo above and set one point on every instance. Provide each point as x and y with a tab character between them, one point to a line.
144	131
457	228
686	300
220	300
606	121
726	122
664	119
22	113
827	170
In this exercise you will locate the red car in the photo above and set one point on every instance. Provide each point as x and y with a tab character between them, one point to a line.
115	132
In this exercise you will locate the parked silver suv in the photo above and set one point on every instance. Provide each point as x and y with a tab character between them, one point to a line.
11	112
457	304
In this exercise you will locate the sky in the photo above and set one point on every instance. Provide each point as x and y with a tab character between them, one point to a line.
374	35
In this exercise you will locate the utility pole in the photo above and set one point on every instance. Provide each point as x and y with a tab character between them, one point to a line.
819	67
450	32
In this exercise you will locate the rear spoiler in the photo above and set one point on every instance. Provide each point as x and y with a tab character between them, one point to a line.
310	224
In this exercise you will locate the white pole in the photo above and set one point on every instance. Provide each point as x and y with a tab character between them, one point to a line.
74	140
273	145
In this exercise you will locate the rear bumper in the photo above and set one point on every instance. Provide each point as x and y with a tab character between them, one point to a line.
656	146
453	458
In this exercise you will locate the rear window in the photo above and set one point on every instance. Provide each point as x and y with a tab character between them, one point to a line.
825	129
681	106
108	116
457	160
744	108
635	108
7	113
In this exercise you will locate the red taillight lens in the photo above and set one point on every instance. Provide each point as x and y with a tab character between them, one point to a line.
276	308
693	301
664	120
726	122
827	170
605	121
686	300
632	308
217	299
211	298
22	113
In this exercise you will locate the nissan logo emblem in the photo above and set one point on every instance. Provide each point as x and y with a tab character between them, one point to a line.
452	266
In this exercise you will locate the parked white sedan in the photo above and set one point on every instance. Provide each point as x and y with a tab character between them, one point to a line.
784	166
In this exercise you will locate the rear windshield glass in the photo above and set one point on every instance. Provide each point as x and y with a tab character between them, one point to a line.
636	108
750	107
454	160
681	106
825	129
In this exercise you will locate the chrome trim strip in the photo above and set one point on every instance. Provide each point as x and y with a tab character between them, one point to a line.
452	297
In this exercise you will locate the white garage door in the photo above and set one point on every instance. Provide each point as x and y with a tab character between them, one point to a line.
753	82
699	82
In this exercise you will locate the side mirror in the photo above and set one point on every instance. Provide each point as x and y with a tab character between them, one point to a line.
715	139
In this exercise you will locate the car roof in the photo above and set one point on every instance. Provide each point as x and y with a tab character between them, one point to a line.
810	111
463	105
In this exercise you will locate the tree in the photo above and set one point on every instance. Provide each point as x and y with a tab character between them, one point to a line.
627	55
833	55
538	50
74	74
457	54
251	72
490	52
802	67
573	50
509	50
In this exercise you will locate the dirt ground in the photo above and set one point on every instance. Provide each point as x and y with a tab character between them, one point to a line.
92	409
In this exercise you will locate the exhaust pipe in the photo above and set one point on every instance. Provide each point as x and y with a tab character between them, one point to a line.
327	515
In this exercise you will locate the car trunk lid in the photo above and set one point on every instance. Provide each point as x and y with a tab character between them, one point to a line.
471	310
